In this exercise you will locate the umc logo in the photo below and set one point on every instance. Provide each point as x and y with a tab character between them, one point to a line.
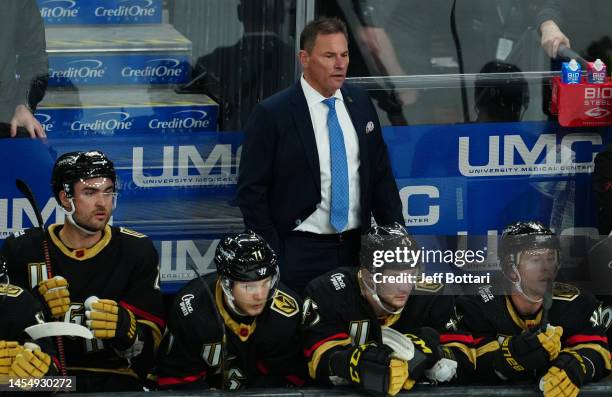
546	156
178	257
432	216
59	9
185	166
20	210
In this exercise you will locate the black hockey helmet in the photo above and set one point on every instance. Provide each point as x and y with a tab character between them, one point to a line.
245	257
381	239
75	166
524	236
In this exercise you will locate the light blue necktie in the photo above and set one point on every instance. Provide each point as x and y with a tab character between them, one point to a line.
338	214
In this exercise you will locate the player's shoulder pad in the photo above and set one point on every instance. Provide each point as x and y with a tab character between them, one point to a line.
10	290
131	232
284	304
428	287
25	234
565	292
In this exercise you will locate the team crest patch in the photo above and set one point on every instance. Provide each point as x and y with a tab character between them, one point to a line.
284	304
565	292
10	290
211	353
428	287
131	232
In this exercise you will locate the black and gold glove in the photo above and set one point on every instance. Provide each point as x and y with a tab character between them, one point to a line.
56	295
566	375
31	362
531	350
372	367
108	320
427	351
8	351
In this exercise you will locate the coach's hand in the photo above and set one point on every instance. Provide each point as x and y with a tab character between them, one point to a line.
56	295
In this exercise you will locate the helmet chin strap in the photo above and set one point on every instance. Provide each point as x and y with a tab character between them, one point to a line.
69	215
229	298
376	298
519	287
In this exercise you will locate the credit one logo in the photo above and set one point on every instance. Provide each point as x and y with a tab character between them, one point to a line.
104	122
59	9
431	217
519	159
162	68
80	69
183	119
45	120
217	168
128	8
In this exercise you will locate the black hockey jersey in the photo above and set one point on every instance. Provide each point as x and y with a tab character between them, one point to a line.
490	317
336	316
122	266
262	351
18	310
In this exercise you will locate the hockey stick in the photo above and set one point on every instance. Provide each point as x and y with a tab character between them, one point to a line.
547	303
219	321
27	192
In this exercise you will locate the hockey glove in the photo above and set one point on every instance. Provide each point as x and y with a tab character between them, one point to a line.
427	351
8	351
31	362
373	368
56	295
532	351
107	320
566	375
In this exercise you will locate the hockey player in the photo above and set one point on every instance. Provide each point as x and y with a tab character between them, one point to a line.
348	312
257	343
516	338
20	358
116	268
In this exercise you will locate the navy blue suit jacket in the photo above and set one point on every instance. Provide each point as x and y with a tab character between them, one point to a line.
279	182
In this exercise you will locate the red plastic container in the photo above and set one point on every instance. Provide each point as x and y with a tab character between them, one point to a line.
582	105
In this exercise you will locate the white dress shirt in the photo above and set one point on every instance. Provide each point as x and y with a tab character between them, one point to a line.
318	221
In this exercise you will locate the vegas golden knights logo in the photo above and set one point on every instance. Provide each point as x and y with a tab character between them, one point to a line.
211	353
284	304
37	272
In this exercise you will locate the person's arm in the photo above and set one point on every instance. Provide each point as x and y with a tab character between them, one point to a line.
549	22
584	358
32	68
256	173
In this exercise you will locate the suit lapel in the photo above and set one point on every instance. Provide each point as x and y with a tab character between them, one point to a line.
305	131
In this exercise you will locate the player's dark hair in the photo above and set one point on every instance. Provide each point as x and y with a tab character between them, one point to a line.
319	26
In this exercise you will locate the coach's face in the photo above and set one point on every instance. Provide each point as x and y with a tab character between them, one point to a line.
326	64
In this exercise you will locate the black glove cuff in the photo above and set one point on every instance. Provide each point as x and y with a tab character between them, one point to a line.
126	330
575	366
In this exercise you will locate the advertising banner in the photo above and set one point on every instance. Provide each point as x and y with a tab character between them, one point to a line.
178	188
86	12
118	69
